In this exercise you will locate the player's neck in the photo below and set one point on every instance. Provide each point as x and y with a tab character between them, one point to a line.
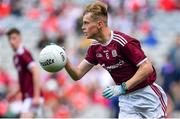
104	36
18	48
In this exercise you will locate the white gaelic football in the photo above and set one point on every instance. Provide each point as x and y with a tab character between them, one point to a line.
52	58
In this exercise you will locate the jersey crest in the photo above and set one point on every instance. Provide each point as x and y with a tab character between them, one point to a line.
114	53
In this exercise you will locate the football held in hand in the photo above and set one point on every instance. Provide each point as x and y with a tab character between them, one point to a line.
52	58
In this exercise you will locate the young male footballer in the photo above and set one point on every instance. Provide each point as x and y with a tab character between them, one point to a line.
122	56
28	75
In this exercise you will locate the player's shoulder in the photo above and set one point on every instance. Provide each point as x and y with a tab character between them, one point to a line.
122	38
26	51
23	53
118	33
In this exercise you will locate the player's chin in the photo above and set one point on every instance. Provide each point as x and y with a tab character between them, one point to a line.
86	36
89	36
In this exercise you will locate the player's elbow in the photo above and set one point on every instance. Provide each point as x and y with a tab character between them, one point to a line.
148	68
76	78
78	75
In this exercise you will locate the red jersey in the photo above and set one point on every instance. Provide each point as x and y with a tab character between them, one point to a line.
23	61
121	57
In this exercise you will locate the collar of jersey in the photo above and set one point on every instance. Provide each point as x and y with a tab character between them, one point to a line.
20	50
109	41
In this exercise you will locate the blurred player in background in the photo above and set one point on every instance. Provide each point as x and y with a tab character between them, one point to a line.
122	56
28	74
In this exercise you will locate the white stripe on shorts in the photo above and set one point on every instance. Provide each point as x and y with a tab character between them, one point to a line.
159	94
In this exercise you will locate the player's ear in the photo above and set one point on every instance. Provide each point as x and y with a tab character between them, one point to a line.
100	24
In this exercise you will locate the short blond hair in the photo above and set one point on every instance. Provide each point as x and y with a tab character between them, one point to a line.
98	10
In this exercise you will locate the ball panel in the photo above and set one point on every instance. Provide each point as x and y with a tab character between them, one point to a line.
47	61
62	56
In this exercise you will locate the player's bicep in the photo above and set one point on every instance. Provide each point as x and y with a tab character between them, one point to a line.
146	66
84	67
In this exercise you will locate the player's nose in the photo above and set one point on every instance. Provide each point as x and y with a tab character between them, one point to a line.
83	28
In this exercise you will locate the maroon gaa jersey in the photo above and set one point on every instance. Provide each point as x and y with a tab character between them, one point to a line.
23	61
121	57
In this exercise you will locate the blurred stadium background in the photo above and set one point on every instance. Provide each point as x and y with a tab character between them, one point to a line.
156	23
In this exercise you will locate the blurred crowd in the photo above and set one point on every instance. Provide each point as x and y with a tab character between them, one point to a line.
62	97
61	19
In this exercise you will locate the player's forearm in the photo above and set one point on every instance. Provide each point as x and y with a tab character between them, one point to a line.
72	71
142	73
36	88
36	82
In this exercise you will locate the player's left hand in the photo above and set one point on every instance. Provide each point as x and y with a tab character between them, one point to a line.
36	101
112	91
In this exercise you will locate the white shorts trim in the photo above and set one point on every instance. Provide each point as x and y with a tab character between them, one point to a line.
159	94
